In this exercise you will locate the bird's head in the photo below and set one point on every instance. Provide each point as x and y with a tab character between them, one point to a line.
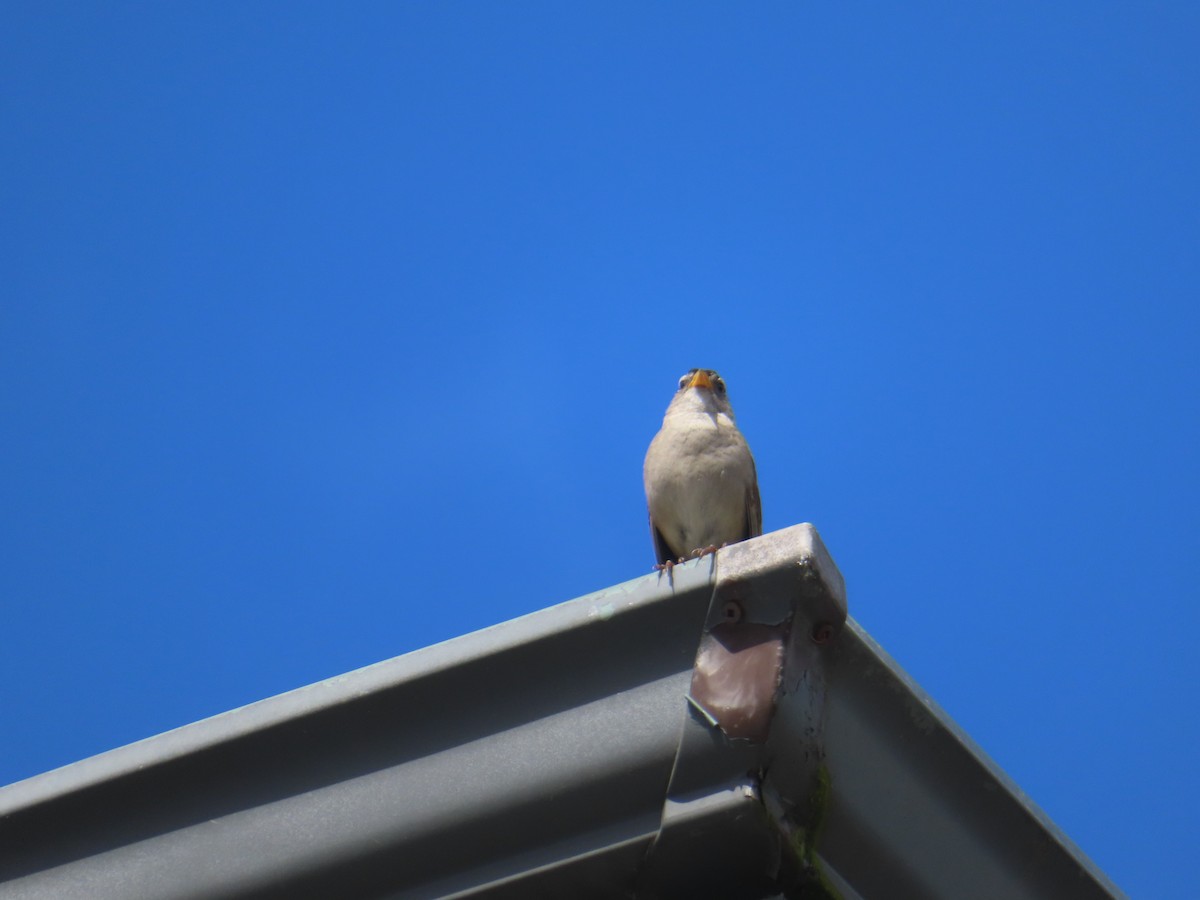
703	389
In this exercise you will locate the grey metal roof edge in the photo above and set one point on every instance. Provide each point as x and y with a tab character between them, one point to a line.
299	702
917	798
946	721
592	748
412	728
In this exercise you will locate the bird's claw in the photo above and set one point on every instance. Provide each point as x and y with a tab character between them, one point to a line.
669	564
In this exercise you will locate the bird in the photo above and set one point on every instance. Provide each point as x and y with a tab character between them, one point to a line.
701	483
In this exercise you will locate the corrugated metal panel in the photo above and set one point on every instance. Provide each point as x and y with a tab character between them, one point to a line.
463	763
714	732
919	810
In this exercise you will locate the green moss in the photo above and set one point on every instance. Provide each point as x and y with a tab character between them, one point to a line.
805	840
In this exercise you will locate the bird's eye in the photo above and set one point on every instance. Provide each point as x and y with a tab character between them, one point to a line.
685	379
718	384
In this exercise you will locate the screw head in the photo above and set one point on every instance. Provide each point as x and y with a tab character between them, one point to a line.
822	633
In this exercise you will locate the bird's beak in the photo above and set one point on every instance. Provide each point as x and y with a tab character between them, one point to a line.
700	380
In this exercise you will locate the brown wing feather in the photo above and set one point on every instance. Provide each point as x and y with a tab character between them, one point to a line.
661	550
753	505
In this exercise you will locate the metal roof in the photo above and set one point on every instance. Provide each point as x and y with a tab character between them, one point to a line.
719	730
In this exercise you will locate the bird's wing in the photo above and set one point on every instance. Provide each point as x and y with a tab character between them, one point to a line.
753	505
661	550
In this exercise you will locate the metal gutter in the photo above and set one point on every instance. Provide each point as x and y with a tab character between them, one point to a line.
919	810
721	730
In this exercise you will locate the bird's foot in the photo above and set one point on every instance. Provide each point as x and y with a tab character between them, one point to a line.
669	564
704	551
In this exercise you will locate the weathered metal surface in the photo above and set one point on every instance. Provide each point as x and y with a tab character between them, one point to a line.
712	731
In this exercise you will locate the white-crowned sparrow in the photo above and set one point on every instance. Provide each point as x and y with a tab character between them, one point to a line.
701	486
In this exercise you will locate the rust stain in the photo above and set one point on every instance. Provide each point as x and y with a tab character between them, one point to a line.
737	676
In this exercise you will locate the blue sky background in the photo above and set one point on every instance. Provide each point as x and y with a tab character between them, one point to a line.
330	331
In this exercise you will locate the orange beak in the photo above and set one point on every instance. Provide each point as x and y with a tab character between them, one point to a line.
700	380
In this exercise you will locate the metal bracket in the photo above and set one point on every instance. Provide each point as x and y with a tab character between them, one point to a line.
744	800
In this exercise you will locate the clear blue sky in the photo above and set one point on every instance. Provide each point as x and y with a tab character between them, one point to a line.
330	331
